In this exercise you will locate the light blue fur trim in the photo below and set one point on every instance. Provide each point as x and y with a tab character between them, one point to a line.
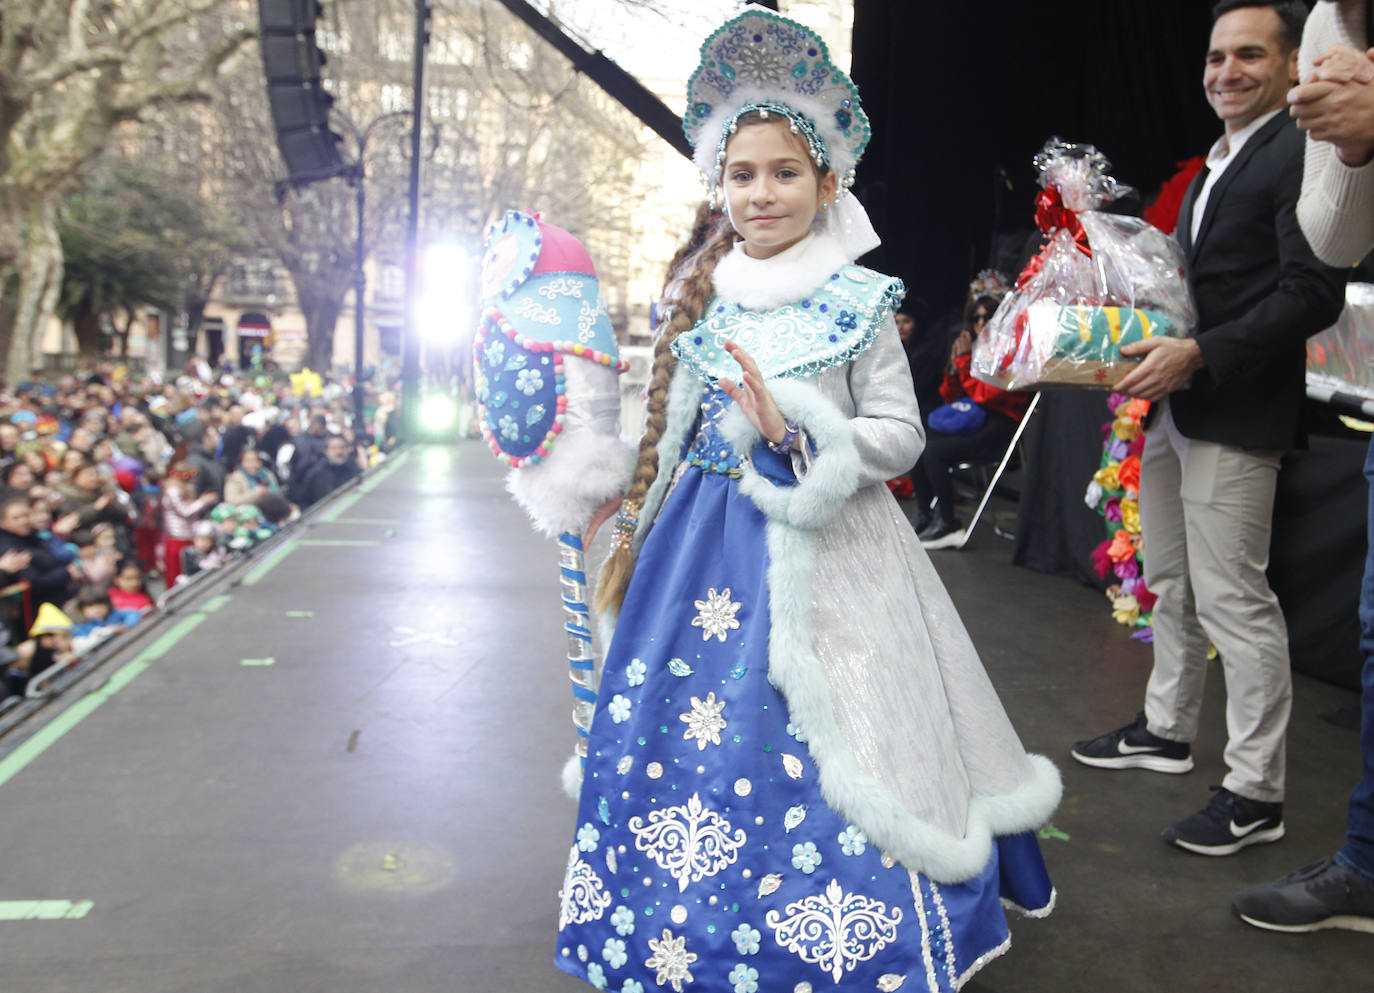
794	514
833	476
795	671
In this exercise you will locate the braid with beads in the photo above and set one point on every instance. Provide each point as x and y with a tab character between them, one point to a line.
693	293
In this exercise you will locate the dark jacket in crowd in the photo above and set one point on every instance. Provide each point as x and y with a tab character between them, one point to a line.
324	477
49	581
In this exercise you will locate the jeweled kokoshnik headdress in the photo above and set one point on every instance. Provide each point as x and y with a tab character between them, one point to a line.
762	62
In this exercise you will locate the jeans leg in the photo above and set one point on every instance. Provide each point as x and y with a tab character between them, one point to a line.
1359	844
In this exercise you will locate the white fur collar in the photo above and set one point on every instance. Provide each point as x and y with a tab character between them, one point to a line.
791	275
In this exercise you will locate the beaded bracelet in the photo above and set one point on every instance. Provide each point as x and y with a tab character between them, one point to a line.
789	439
625	521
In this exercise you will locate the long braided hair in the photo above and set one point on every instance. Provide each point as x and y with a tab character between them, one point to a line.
687	297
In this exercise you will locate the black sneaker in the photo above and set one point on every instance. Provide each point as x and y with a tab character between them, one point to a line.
1134	747
1322	895
942	534
1227	824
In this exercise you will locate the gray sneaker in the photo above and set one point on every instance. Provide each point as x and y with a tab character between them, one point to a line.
1322	895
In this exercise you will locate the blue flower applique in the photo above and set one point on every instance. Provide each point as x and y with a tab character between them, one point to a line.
634	672
529	382
614	953
746	939
623	920
805	857
588	837
596	975
619	709
853	841
745	979
632	986
509	429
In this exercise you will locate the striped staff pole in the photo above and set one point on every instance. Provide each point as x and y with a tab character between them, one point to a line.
577	625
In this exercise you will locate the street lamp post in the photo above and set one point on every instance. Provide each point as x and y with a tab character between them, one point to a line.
357	175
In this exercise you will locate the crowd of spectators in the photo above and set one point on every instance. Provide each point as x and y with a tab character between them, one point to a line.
114	491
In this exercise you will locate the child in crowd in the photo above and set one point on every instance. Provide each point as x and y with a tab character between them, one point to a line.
202	554
180	508
798	773
49	643
129	591
99	619
100	557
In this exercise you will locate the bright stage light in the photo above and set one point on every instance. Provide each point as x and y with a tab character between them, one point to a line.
437	412
445	281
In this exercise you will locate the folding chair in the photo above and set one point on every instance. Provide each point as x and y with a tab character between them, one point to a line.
1001	468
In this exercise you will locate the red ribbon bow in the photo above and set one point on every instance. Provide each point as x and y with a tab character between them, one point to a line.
1050	216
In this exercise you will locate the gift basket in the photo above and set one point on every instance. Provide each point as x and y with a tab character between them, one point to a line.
1101	281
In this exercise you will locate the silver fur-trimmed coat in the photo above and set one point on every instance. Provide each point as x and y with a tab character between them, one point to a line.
908	735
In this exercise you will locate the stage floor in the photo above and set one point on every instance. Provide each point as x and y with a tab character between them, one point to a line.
341	775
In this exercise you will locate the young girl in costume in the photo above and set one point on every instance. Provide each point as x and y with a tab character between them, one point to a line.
798	777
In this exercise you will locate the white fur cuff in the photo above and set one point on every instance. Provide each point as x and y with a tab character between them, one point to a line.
833	476
582	472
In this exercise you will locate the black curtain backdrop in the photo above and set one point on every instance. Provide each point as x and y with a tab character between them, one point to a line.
962	95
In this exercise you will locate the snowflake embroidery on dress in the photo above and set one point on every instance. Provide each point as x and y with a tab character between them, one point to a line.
689	842
540	315
704	721
583	896
716	614
835	931
671	960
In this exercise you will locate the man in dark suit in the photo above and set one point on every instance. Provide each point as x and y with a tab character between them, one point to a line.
1227	403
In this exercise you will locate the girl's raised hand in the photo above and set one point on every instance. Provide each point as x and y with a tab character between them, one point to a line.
753	397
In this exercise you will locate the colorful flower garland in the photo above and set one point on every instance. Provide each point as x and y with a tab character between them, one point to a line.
1115	493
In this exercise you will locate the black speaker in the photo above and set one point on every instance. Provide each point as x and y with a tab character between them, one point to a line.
300	105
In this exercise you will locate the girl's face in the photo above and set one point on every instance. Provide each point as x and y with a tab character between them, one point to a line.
772	190
129	579
21	477
87	477
70	459
203	543
251	461
36	463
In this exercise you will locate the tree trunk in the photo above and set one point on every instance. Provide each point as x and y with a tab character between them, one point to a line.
86	328
320	321
40	281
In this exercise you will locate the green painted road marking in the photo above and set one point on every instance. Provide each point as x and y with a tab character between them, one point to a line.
269	560
215	603
331	513
370	484
13	763
251	662
44	910
338	543
300	613
1049	831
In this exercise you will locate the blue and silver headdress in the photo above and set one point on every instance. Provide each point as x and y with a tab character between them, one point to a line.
762	62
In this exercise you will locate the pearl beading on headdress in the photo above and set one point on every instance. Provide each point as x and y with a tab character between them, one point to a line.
762	62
